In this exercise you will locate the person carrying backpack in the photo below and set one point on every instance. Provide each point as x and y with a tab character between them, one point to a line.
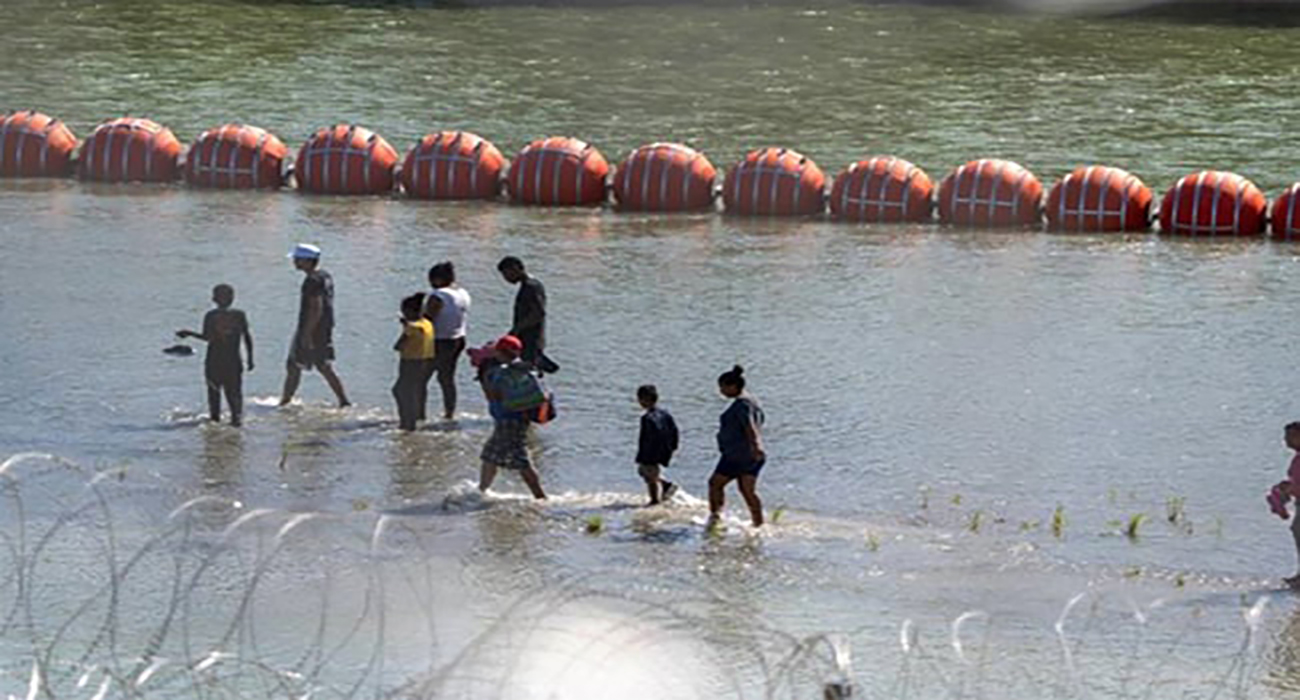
515	395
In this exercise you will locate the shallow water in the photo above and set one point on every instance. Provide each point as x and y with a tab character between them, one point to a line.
933	395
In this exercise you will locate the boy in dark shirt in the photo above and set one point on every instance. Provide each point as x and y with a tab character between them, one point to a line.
656	445
223	328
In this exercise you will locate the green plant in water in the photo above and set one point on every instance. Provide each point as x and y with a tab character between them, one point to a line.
1058	521
956	499
1133	572
778	514
873	542
1028	525
1174	509
1134	523
1180	580
595	524
976	519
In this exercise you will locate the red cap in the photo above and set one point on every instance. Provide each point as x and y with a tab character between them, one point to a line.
510	345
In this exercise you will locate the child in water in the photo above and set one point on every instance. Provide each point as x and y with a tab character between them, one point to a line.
656	445
415	348
1284	491
740	440
223	327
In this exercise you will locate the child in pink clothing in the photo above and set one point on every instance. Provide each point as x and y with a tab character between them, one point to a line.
1284	491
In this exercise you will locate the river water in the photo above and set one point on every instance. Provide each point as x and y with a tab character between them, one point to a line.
962	425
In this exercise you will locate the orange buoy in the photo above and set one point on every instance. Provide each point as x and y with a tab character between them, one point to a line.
236	157
558	170
453	165
883	190
1285	218
1099	198
775	182
33	144
990	192
1213	203
130	150
664	177
345	159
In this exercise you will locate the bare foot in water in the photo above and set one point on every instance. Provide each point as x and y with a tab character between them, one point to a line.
1292	582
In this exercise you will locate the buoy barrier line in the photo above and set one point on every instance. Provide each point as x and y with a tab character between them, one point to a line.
1283	214
993	202
1081	213
17	128
633	181
881	204
563	150
970	206
155	142
327	143
265	161
778	164
445	152
1174	224
1123	202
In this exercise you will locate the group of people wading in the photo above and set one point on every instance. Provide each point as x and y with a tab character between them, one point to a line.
509	370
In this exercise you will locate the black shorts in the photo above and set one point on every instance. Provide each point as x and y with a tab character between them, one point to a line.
735	468
218	376
314	357
445	354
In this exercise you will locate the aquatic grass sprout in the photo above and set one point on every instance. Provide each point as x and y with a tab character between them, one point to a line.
1058	521
1134	524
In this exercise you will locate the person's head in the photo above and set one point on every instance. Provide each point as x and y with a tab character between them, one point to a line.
442	275
732	382
512	269
223	295
305	256
1292	435
508	348
647	395
413	307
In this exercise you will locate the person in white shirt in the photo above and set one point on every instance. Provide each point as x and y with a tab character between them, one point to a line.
448	308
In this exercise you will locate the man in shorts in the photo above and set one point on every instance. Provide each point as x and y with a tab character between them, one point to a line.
313	342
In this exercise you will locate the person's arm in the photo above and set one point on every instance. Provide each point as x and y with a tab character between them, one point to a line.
644	441
532	308
755	436
401	339
315	310
432	307
248	343
673	436
207	330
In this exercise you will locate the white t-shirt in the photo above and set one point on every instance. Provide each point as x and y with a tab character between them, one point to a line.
450	323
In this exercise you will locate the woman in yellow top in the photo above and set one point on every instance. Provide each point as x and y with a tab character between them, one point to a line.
415	348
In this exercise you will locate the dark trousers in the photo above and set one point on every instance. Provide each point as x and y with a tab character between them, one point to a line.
534	341
231	382
409	390
446	355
